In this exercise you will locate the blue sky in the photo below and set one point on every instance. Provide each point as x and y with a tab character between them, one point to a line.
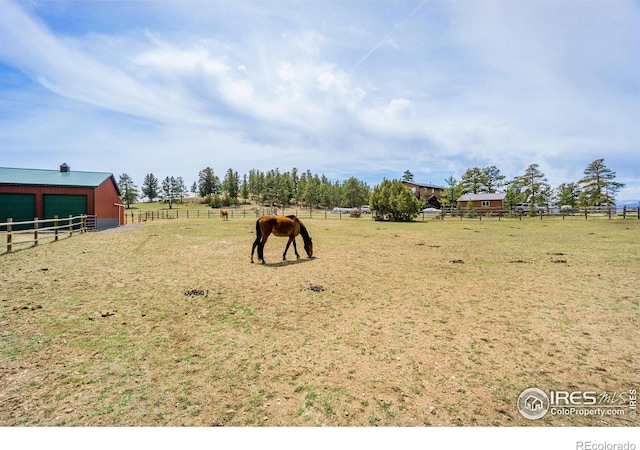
342	88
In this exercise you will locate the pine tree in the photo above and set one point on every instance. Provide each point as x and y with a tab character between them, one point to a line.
170	190
407	176
535	187
567	194
150	187
231	184
354	193
245	188
473	181
597	185
493	179
452	192
208	182
181	189
128	190
485	180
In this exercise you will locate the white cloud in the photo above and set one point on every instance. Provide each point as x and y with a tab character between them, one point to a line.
444	86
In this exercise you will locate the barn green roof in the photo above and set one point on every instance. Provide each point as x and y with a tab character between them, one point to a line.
41	177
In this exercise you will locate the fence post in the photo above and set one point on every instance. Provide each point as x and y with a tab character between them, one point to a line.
55	228
9	234
84	223
35	231
70	225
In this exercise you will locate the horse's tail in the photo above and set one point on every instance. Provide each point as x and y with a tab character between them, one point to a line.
258	230
257	243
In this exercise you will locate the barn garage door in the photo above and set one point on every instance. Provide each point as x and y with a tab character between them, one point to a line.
63	206
20	207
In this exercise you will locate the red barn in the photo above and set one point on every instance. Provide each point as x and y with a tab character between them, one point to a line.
29	193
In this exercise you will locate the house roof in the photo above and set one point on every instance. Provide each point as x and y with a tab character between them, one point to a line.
485	197
426	185
41	177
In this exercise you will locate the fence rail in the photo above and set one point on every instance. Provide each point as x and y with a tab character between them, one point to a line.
37	230
479	214
609	213
151	215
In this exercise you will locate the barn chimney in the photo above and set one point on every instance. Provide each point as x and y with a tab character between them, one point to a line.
64	168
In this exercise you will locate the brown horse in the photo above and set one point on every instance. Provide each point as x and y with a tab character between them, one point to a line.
225	214
289	226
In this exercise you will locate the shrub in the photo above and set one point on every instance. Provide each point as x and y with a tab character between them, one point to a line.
392	200
215	201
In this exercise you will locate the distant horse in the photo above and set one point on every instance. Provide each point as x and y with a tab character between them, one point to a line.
225	214
289	226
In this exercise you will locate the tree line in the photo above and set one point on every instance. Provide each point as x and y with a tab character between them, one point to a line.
272	187
597	187
393	201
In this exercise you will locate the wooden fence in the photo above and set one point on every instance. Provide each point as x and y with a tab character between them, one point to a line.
37	230
151	215
480	214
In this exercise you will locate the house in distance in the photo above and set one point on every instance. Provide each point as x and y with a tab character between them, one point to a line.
430	193
29	193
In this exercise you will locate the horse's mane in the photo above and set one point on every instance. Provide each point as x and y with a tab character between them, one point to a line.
304	232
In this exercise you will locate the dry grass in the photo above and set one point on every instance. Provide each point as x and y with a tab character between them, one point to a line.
437	323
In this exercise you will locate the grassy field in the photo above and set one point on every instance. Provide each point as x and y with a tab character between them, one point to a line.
437	323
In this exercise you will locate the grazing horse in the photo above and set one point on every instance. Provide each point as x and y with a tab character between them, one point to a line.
225	214
289	226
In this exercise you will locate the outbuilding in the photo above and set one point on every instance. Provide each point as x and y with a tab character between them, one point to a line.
29	193
483	202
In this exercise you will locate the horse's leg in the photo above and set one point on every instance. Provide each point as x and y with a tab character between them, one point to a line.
286	249
261	248
295	249
256	243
